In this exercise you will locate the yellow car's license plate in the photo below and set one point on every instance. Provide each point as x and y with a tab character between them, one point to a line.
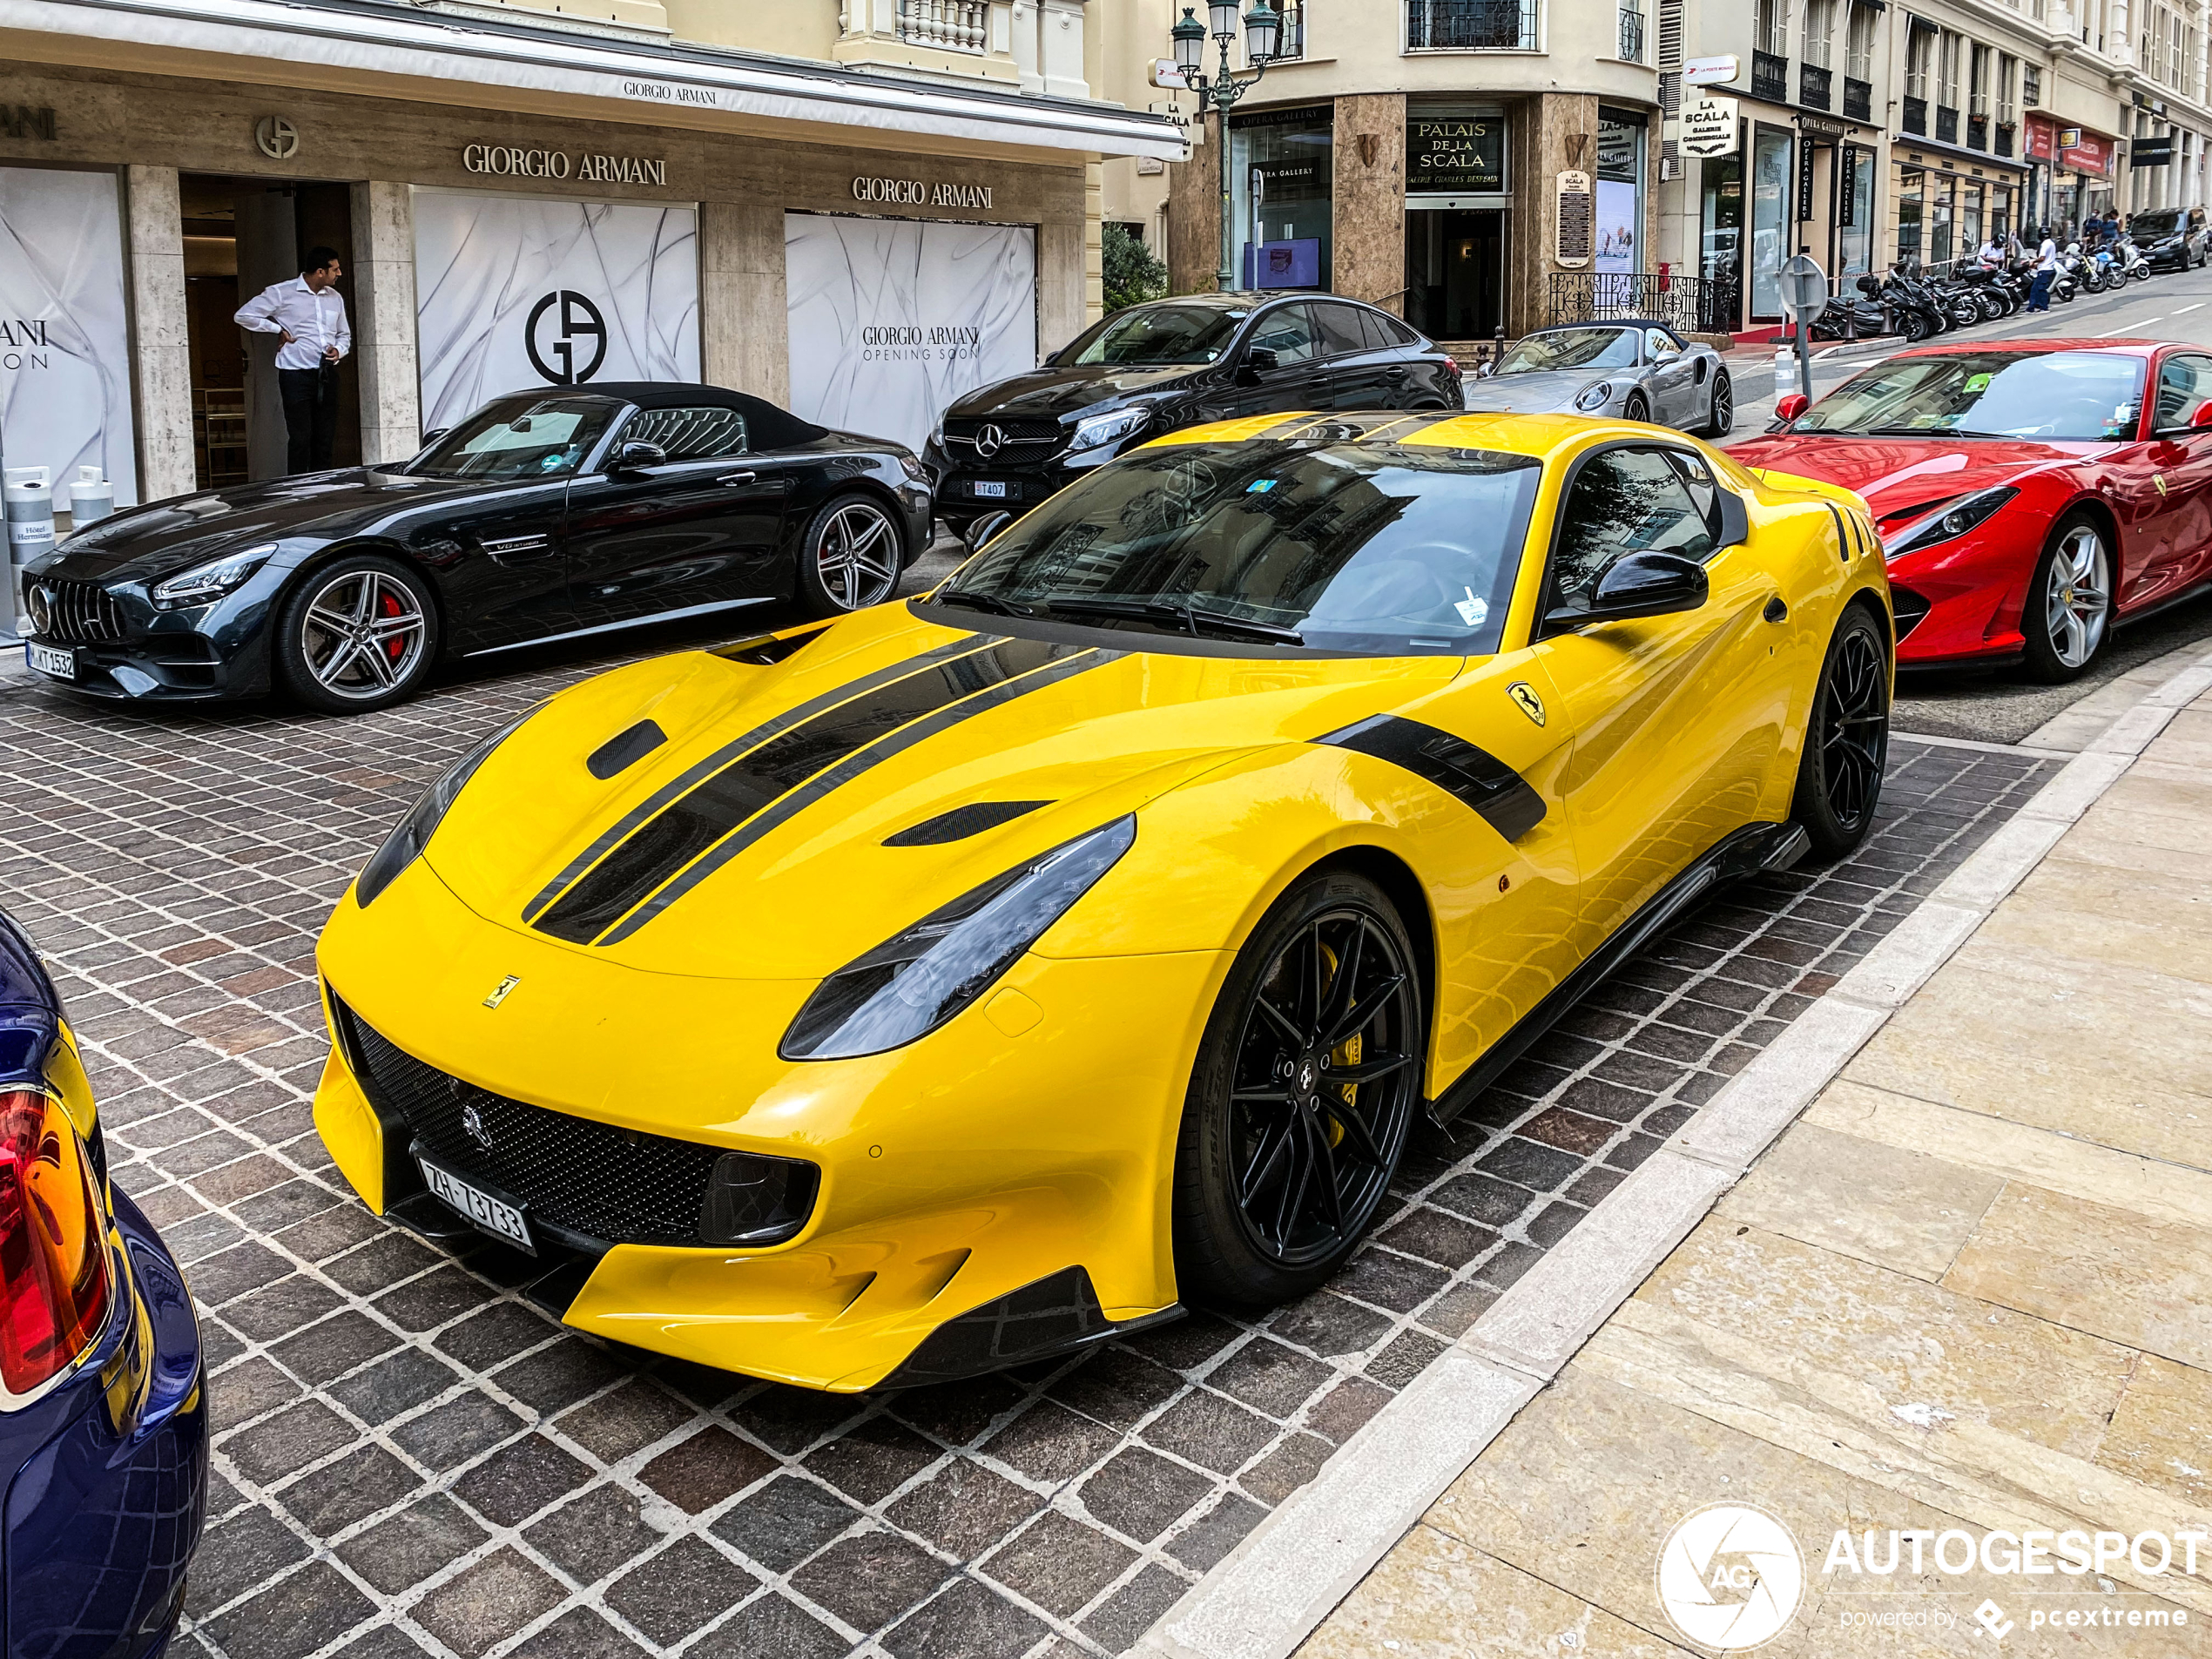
494	1216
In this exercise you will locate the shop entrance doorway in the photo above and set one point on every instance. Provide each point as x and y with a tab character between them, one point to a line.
240	235
1455	271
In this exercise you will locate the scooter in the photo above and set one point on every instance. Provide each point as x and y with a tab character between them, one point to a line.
1853	315
2128	261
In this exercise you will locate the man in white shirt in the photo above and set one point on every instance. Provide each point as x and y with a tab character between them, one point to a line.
2047	267
307	312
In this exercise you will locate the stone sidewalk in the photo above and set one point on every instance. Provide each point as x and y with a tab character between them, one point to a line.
1970	1289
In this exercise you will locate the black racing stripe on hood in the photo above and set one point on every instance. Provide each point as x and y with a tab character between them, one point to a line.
658	801
1500	795
1061	663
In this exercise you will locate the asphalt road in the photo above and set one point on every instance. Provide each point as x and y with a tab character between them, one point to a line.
2002	705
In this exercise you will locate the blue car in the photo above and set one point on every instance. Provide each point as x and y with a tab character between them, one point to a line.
102	1410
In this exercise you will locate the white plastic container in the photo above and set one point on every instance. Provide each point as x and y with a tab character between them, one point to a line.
29	492
91	498
1785	371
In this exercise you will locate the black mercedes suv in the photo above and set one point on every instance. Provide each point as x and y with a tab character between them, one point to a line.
1169	363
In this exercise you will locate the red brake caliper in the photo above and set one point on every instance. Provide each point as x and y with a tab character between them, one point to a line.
396	647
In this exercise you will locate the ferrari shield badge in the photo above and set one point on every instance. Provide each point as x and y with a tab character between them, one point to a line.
1524	698
499	992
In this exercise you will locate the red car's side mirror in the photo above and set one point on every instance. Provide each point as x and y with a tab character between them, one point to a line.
1791	406
2202	418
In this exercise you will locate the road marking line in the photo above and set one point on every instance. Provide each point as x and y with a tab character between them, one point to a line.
2185	310
2124	329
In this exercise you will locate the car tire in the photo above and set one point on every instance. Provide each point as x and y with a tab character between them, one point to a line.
850	557
1251	1228
1847	739
1720	409
357	633
2065	635
1638	408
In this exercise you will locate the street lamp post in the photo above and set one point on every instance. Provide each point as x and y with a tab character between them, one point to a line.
1263	31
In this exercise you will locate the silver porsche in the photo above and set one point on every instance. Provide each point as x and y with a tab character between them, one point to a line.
1634	370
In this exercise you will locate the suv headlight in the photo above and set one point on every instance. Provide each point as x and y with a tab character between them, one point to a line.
1594	397
912	984
211	580
405	844
1952	523
1099	431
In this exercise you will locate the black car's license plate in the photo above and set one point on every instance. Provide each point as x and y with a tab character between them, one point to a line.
57	660
991	489
493	1215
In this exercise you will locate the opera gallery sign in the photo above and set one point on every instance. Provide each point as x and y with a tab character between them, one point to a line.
519	161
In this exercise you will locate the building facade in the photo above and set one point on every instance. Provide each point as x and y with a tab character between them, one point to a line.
1468	164
900	206
1485	164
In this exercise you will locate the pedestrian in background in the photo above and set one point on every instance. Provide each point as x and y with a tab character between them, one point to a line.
2047	267
309	314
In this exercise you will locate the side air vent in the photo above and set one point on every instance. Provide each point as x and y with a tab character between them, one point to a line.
1912	609
963	822
768	649
1499	795
624	749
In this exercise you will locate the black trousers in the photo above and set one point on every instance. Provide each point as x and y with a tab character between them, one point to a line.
310	416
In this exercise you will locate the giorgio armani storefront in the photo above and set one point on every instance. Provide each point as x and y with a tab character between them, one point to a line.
863	283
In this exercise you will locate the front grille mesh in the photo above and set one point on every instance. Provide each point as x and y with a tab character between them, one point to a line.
81	613
620	1185
1028	438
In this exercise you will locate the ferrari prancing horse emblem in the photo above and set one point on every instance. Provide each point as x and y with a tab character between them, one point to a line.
1524	698
499	994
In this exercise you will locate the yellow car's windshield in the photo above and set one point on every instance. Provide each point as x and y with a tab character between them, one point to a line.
1393	550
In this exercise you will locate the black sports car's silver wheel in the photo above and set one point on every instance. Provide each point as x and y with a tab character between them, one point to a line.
1722	415
1303	1097
851	557
358	634
2069	606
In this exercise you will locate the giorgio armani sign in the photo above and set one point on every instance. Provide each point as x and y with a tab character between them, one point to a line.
919	192
518	161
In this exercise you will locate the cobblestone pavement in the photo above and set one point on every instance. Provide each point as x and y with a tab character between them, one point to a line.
412	1457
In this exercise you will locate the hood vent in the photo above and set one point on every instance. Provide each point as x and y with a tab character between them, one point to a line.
769	649
963	822
625	749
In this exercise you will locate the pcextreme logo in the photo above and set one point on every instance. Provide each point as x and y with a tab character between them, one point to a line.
1730	1576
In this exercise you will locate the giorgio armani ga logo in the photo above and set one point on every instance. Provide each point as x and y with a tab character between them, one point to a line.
566	337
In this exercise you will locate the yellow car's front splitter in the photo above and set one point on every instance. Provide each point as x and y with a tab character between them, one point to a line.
971	1170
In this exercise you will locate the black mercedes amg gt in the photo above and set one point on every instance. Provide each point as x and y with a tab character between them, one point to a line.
1150	368
545	515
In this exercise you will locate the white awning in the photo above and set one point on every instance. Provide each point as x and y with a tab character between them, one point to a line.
631	83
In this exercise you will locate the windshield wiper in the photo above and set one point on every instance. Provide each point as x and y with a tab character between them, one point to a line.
989	601
1192	619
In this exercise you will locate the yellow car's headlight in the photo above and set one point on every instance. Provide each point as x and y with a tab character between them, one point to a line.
911	984
404	845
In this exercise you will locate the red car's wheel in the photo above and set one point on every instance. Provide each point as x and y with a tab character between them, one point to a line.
2068	614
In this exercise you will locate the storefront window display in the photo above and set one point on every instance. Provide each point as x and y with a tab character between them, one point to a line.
1855	226
1911	210
1720	248
1940	190
1281	165
1770	207
1620	192
1969	219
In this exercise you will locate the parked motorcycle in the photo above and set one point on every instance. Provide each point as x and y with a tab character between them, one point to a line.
2128	261
1854	315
